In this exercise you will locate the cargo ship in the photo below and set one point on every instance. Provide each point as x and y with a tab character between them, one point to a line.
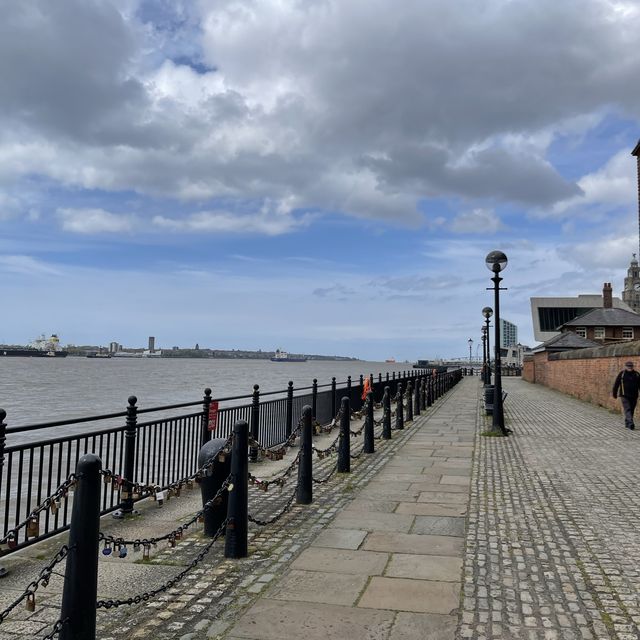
283	356
40	348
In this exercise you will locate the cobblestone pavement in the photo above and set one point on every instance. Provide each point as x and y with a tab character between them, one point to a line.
209	598
553	544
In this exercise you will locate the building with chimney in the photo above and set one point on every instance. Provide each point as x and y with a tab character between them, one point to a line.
607	324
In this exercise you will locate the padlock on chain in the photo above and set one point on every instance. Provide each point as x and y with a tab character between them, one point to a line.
33	527
31	601
122	553
160	498
106	550
146	552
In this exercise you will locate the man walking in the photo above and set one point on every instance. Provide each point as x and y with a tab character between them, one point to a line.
626	386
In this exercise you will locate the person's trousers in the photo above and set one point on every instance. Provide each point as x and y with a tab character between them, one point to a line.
628	407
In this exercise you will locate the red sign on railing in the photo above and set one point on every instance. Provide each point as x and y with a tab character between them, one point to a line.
213	415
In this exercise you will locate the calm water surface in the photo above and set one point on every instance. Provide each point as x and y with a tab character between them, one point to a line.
42	389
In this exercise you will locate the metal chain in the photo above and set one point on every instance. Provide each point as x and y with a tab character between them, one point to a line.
176	533
57	628
146	490
332	448
48	503
42	579
328	477
280	480
143	597
264	523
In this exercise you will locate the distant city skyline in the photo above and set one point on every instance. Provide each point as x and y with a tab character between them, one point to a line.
322	177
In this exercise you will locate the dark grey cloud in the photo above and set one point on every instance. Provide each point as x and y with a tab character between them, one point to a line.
364	107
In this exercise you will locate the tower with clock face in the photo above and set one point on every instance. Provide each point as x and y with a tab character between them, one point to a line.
631	293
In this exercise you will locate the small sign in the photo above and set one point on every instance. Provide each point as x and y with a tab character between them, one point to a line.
213	415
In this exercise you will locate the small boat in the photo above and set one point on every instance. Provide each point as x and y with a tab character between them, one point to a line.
98	354
390	360
283	356
42	347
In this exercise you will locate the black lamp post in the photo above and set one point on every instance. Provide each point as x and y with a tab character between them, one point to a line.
483	337
487	312
496	262
470	341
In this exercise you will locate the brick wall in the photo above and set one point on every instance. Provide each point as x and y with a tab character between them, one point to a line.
587	374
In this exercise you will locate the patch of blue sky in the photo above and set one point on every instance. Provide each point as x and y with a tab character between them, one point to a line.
575	155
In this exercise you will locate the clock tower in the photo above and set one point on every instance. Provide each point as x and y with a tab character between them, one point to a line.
631	293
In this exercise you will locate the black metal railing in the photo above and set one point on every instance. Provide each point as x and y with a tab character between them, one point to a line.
158	451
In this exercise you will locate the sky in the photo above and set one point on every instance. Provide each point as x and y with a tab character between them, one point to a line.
320	176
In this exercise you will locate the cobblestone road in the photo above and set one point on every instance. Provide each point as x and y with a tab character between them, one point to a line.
553	544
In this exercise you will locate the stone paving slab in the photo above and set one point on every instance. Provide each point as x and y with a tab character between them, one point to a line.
368	563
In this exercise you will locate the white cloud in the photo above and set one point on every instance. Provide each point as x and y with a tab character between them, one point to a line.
612	185
480	221
90	221
27	265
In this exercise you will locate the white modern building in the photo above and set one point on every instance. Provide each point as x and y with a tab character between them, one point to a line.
508	333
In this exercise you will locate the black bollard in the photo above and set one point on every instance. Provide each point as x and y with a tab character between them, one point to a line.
344	444
205	434
289	424
126	492
235	543
3	439
314	398
416	398
369	446
304	493
409	401
386	414
333	397
80	589
399	409
212	481
255	423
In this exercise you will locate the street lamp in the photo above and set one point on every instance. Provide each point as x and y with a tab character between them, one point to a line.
487	312
470	341
496	262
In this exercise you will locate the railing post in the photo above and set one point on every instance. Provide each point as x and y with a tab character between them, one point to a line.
360	390
80	589
399	409
369	446
314	398
130	434
289	424
430	390
3	439
386	414
206	403
349	389
424	393
416	398
235	543
210	484
255	423
304	493
333	397
387	380
344	445
409	401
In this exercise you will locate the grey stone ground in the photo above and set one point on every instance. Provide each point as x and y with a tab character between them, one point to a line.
549	549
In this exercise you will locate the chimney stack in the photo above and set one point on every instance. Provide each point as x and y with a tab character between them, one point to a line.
607	296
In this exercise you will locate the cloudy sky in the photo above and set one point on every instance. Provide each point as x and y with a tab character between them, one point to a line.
324	176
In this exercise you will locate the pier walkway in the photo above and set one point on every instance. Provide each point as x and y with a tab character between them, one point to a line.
443	533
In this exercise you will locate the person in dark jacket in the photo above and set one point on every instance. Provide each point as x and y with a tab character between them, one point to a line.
626	386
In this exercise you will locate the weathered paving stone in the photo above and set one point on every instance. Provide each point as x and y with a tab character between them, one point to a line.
413	543
319	586
431	509
340	538
424	567
401	594
275	620
367	563
423	626
439	525
374	521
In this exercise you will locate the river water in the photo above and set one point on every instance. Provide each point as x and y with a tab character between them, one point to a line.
36	390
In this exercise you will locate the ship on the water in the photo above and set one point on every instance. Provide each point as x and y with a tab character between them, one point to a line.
41	347
283	356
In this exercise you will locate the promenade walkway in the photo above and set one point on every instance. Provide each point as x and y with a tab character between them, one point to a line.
441	534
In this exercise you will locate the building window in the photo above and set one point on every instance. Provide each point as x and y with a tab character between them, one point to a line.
627	333
581	331
598	333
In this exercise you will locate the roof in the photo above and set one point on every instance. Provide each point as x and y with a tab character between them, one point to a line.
565	341
605	318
